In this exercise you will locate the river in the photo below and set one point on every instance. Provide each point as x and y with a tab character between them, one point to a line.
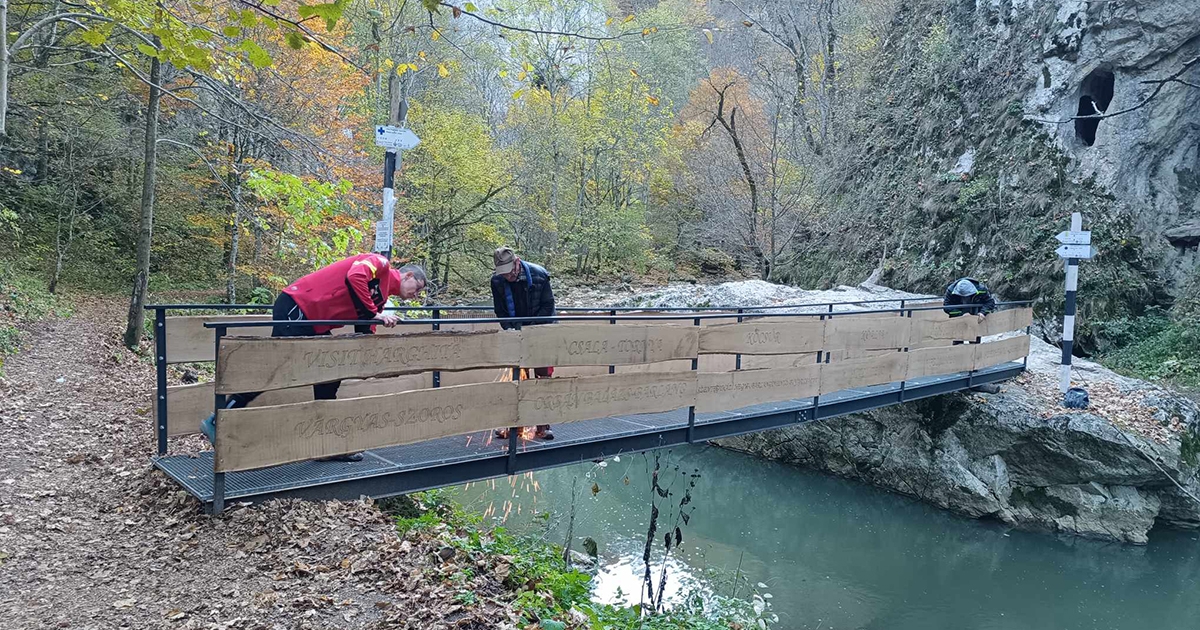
835	554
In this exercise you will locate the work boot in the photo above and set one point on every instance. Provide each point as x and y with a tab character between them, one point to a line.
352	457
988	388
543	432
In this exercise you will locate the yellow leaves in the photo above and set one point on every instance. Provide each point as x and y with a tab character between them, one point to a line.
517	94
528	67
648	30
653	100
503	73
435	35
14	171
521	75
609	21
708	35
421	55
442	71
470	7
628	19
406	67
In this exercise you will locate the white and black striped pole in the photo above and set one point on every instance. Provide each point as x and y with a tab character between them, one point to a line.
1076	244
395	138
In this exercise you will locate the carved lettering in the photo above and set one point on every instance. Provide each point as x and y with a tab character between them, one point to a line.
344	426
448	350
585	399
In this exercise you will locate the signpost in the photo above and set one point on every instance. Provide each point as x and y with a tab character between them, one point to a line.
396	138
1076	245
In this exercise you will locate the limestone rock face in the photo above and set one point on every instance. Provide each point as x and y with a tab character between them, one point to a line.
1104	52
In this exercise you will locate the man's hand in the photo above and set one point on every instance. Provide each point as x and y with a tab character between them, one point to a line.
980	316
389	321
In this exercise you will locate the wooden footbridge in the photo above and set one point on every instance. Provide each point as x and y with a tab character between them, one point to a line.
421	400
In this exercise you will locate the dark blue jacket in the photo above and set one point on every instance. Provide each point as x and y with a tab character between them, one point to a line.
983	300
529	296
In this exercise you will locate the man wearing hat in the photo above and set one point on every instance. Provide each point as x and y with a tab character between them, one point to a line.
355	288
522	289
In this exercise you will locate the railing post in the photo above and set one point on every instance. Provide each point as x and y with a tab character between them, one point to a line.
218	505
816	402
160	377
907	314
737	365
612	369
514	433
691	428
437	374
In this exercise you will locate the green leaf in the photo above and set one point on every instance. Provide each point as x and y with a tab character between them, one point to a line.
431	5
470	7
255	53
94	37
331	12
295	40
199	34
148	50
232	31
248	19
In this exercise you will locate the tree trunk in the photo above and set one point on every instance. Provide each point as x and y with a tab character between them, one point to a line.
3	69
235	237
141	278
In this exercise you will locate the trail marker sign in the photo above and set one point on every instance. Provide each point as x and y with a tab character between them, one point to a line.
1073	237
383	235
1074	251
401	138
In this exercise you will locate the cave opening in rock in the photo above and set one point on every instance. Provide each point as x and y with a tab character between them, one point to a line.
1095	93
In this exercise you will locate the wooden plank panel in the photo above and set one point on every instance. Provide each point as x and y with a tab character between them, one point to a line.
934	314
764	337
188	404
732	390
866	332
940	360
266	436
606	344
752	362
878	370
557	400
1003	351
1013	319
188	341
248	364
580	370
675	365
717	362
943	331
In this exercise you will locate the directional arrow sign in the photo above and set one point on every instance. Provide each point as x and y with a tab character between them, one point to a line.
396	138
1075	238
1074	251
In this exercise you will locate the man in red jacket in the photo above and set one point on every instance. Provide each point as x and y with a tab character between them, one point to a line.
357	287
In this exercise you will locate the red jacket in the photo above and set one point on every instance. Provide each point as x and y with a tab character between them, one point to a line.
353	288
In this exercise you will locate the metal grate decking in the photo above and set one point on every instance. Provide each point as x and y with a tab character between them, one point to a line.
446	461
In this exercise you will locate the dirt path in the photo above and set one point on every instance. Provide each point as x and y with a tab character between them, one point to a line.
92	537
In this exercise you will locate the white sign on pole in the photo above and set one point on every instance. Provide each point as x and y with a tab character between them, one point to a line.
1075	238
390	137
1074	251
383	235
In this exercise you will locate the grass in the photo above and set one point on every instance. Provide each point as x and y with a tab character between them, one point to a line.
24	300
549	592
1155	347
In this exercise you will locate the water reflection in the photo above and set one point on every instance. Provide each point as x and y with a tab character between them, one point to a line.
837	554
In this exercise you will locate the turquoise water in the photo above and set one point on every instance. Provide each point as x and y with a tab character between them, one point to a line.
837	554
